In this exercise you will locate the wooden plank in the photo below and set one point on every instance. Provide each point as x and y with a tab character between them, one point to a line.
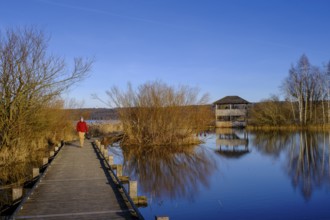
75	186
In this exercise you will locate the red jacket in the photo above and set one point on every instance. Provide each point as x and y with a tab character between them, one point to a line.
82	126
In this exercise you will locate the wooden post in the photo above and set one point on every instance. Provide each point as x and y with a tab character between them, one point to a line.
124	179
44	161
110	160
132	186
51	153
35	172
119	171
162	218
17	193
102	149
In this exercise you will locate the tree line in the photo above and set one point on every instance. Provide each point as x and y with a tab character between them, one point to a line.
306	92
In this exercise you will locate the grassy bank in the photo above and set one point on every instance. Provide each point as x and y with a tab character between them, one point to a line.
290	128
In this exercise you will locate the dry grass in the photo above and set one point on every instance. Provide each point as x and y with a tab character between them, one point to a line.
18	159
102	129
17	163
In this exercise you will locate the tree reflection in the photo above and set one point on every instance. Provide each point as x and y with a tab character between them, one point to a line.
271	142
307	156
309	161
169	172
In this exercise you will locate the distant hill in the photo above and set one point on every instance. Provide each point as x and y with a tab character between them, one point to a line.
102	113
93	113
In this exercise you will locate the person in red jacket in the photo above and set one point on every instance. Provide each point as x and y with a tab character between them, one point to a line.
82	129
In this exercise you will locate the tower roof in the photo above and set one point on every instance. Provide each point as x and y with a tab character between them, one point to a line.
231	100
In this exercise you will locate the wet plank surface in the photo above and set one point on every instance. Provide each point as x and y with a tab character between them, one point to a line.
75	186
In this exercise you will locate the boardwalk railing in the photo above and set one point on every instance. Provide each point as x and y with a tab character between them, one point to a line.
131	196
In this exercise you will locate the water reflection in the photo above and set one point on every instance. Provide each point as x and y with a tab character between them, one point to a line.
307	156
232	143
272	142
308	164
173	172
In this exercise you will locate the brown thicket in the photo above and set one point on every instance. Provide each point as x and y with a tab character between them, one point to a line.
270	112
159	114
31	82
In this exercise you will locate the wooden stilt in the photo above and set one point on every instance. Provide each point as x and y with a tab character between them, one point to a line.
119	170
110	160
132	187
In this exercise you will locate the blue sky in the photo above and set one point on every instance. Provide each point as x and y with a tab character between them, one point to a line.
223	47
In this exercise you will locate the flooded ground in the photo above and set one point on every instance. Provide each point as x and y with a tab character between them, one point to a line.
235	175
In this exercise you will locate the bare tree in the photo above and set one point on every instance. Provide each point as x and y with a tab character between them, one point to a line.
31	81
301	86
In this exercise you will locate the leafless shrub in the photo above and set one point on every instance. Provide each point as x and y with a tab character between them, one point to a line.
159	114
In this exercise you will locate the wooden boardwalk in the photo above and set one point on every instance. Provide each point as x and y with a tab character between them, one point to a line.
76	185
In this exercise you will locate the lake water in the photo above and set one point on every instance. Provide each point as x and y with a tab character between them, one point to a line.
235	175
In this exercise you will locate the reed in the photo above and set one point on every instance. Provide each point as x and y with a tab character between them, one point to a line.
105	128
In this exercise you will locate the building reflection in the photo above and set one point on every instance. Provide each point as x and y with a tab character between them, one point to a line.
232	143
173	172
